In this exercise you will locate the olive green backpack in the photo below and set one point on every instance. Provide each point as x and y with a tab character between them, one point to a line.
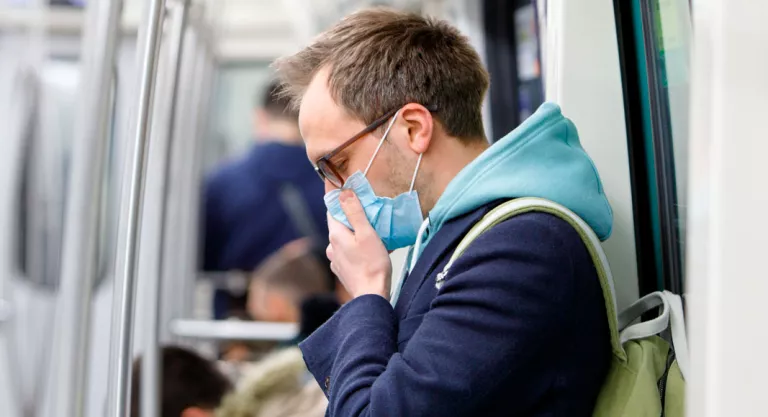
647	374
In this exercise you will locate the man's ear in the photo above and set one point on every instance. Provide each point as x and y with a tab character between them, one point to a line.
420	126
196	412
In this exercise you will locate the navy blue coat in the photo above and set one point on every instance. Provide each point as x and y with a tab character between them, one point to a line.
518	329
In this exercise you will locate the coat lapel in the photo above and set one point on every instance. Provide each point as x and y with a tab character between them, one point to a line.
447	237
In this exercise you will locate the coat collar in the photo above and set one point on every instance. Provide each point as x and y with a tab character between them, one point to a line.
447	237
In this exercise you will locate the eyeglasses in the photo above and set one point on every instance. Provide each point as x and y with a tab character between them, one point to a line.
326	169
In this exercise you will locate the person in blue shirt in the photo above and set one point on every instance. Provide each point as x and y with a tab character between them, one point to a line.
257	204
390	112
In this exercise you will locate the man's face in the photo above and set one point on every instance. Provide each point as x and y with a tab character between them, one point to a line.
325	126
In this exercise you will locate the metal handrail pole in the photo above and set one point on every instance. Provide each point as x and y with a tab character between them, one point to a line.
152	364
118	387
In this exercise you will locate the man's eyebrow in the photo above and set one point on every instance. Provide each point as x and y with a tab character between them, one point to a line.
316	156
340	156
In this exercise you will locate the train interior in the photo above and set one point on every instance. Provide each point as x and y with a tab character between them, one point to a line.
666	95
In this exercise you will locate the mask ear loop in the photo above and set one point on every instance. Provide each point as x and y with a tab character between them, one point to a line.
381	142
416	171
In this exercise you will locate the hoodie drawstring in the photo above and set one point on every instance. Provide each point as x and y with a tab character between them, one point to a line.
410	262
417	245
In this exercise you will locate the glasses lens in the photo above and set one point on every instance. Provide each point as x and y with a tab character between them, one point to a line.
324	168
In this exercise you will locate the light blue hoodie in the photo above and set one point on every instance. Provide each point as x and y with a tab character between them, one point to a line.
540	158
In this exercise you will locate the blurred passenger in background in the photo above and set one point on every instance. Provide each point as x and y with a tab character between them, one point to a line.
290	286
279	385
257	204
234	352
191	385
285	282
316	310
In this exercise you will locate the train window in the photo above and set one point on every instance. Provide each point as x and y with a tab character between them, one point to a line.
530	92
48	120
47	130
513	55
238	88
654	38
28	88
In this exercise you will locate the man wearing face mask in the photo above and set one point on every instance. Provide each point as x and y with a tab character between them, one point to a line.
390	112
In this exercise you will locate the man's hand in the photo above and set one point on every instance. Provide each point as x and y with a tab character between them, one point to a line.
358	258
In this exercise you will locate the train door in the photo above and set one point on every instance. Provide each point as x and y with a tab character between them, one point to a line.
36	166
655	45
44	185
22	88
39	276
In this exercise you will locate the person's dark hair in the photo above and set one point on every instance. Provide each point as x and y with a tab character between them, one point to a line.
188	380
275	103
296	271
381	59
316	310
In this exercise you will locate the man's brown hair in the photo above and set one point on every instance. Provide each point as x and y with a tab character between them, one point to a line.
381	59
276	104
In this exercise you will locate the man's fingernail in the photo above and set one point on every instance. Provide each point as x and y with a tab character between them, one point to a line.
345	195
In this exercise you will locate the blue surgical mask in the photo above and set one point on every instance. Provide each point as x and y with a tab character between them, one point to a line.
396	220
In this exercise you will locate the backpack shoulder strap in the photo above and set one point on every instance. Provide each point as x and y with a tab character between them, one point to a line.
530	204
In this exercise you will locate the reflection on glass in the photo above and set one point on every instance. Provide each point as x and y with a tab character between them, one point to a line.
530	89
675	37
667	35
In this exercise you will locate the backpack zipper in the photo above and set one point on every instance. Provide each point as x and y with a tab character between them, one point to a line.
662	384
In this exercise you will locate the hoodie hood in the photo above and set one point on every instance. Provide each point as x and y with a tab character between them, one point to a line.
540	158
